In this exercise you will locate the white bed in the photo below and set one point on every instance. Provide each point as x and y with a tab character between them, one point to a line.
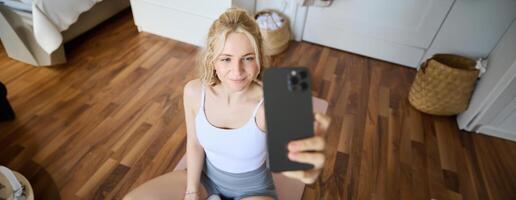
34	31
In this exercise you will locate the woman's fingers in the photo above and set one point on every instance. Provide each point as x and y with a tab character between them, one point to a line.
315	143
316	159
321	124
307	177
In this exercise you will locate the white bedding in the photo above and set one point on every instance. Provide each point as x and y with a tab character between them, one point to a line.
51	17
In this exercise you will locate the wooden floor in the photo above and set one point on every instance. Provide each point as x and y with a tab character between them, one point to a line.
112	118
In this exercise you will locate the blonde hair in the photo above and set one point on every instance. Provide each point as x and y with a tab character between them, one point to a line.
233	20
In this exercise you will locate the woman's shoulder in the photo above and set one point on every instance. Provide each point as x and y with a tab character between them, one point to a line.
192	86
192	91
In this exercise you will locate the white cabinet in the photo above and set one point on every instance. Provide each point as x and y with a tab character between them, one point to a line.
186	21
402	31
398	31
473	28
492	109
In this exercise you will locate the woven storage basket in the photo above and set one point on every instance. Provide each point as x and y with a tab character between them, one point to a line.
443	85
275	41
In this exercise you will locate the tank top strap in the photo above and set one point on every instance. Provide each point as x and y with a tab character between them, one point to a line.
203	94
257	107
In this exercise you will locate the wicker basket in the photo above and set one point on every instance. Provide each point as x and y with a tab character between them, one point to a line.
443	85
275	41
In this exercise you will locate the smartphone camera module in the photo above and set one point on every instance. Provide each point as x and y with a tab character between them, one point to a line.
297	80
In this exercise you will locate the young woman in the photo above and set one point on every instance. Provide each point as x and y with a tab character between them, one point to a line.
226	139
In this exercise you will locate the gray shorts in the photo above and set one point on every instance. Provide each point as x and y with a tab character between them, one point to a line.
238	185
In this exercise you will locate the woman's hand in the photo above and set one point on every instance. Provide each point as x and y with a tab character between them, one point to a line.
309	150
191	196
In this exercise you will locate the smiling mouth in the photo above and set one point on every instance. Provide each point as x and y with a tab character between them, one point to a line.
237	80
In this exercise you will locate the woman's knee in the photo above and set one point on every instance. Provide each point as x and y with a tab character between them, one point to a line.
138	195
168	186
258	198
131	196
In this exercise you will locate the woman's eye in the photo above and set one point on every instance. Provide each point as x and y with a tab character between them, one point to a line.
249	58
226	60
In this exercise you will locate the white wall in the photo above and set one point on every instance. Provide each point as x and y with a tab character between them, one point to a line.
249	5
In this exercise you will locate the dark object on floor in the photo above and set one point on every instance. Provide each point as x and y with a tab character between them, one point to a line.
6	111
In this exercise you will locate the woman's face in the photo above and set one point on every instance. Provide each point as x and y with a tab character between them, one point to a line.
236	65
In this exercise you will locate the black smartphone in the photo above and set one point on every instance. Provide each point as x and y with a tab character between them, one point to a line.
288	113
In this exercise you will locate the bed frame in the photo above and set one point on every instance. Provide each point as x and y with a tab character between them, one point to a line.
18	39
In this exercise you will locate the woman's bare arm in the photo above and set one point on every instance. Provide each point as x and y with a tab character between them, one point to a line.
194	151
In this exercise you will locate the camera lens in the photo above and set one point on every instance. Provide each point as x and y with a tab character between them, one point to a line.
293	80
303	74
304	86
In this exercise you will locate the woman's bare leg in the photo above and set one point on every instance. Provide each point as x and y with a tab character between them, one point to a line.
171	185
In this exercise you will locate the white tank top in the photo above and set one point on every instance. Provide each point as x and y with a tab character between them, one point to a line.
232	150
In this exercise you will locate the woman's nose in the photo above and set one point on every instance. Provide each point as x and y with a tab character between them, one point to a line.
237	67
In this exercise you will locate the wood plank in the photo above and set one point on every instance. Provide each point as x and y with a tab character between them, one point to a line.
96	178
